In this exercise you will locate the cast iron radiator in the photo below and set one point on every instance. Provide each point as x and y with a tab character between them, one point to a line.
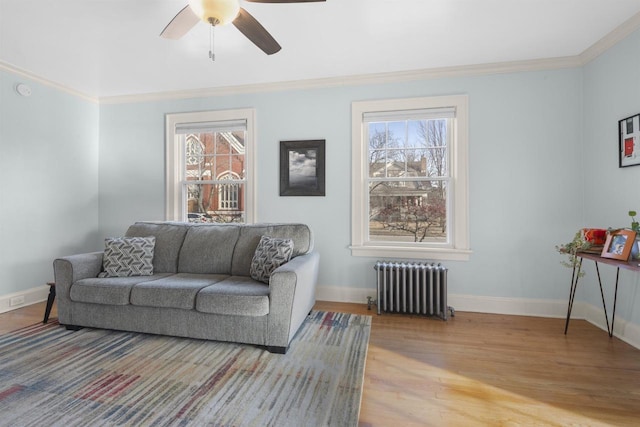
412	287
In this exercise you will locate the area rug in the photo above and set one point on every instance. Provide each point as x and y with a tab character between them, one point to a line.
54	377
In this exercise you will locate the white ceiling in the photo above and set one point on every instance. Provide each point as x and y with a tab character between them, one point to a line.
104	48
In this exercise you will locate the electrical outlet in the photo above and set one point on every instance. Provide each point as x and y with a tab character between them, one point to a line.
16	301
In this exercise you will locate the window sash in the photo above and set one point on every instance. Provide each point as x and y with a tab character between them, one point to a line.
364	112
177	175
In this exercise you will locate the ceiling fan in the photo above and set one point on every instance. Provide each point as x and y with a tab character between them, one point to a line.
222	12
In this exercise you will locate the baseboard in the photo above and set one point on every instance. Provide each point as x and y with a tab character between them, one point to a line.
23	298
480	304
344	294
626	331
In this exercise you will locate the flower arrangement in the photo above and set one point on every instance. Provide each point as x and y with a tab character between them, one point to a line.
592	240
578	244
585	240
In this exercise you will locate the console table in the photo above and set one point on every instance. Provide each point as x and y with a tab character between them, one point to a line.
633	265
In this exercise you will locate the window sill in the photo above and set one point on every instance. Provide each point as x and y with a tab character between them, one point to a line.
444	254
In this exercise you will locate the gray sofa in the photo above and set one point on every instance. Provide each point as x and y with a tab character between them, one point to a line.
200	286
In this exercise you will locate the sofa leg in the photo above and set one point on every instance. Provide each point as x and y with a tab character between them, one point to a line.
72	327
277	350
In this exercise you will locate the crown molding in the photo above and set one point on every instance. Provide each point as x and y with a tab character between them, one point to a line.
354	80
614	37
46	82
591	53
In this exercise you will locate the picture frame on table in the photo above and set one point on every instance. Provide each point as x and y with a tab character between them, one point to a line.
629	141
618	244
302	168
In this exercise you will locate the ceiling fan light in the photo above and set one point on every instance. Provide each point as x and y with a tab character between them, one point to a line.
222	12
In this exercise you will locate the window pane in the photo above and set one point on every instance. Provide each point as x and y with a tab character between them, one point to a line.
409	148
238	166
222	202
408	211
433	138
222	165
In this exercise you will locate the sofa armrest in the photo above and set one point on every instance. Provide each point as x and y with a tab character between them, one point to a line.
292	296
70	269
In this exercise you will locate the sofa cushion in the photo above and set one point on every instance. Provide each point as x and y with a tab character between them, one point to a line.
107	290
270	254
169	238
128	256
175	291
236	295
249	238
208	249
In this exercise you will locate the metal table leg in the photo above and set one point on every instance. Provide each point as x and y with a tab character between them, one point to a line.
615	300
572	291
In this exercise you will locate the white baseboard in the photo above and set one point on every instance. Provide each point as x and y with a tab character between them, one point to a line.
344	294
23	298
627	331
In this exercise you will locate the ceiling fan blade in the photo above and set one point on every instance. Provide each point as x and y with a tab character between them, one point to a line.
180	25
254	31
284	1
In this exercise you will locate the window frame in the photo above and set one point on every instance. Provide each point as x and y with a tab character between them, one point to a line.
458	205
175	204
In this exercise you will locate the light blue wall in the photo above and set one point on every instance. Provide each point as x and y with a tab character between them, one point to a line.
525	173
48	181
543	163
612	93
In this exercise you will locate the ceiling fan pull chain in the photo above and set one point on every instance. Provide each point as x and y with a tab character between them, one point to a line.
212	55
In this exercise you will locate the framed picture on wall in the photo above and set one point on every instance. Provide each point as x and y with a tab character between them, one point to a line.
619	244
302	169
629	141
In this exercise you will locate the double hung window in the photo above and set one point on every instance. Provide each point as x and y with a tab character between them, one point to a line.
410	178
210	166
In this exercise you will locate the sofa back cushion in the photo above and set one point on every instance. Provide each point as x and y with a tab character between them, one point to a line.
169	239
208	249
249	238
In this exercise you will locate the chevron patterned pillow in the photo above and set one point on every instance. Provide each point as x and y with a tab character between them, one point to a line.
128	256
270	254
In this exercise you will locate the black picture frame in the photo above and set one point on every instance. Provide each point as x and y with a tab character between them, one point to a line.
302	168
629	141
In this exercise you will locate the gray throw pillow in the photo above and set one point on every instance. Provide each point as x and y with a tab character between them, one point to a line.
128	256
270	254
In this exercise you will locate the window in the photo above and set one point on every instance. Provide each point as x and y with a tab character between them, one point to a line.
409	178
210	166
228	195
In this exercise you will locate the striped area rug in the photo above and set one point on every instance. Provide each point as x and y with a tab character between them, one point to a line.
53	377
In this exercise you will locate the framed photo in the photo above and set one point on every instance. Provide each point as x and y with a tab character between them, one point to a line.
629	142
619	244
302	168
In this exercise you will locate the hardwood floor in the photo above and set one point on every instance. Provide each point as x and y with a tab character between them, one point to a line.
482	369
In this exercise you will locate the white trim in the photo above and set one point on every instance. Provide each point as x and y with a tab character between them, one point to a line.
173	158
31	296
46	82
624	330
459	182
436	254
354	80
611	39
